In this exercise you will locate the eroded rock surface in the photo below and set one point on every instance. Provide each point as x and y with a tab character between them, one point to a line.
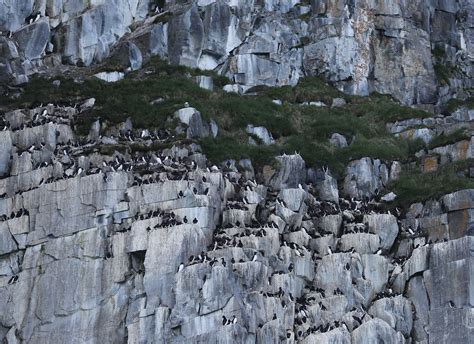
363	46
156	247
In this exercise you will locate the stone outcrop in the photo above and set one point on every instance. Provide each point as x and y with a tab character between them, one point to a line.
131	235
156	247
364	46
365	177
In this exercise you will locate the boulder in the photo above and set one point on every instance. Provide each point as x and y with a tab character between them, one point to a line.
459	200
338	141
365	178
130	56
291	172
395	311
261	133
205	82
337	335
32	39
385	226
376	331
325	184
110	76
196	127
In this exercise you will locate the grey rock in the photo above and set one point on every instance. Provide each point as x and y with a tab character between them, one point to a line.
335	336
88	104
214	128
291	172
32	39
196	127
390	197
133	56
13	14
205	82
7	242
261	133
158	41
365	177
376	331
5	152
331	223
395	170
325	184
110	76
418	295
336	102
185	38
396	311
385	226
424	134
459	200
94	132
338	141
362	243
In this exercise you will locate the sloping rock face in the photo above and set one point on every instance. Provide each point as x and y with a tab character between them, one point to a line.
154	247
361	46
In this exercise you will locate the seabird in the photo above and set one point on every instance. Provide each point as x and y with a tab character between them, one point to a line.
185	219
254	257
195	220
181	267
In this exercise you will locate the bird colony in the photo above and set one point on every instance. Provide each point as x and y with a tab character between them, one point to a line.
101	245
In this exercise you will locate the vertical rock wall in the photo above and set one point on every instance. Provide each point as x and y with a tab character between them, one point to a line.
397	48
150	248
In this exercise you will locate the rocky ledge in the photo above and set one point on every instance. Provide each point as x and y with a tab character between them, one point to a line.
106	245
420	52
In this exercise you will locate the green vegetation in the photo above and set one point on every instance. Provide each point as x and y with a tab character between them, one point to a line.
308	89
438	52
443	140
414	186
454	104
295	127
443	73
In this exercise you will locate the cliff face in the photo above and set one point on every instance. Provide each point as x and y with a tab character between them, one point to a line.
153	247
391	47
129	233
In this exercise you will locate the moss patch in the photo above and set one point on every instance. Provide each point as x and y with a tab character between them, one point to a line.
414	186
296	128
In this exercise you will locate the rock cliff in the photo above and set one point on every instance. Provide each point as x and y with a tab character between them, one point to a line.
420	52
245	192
160	247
